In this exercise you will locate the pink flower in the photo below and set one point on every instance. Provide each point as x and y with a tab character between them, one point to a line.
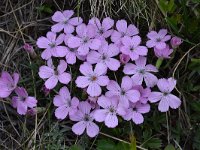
123	30
72	53
53	76
22	101
165	97
125	93
64	21
141	71
93	102
103	29
85	39
124	58
157	39
85	120
144	93
175	42
93	80
8	83
66	105
104	57
135	112
51	45
109	112
32	112
131	47
29	49
163	53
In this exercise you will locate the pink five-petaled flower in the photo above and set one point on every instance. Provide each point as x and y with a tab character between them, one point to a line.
66	105
85	39
85	118
8	83
135	112
103	30
92	79
22	101
141	71
165	97
64	21
51	45
53	76
123	30
158	39
104	56
131	47
109	112
125	93
163	53
144	93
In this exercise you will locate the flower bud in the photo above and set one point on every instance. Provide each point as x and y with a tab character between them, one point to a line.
175	42
124	58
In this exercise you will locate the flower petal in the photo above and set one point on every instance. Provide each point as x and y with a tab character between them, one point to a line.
92	129
79	127
111	120
94	89
61	112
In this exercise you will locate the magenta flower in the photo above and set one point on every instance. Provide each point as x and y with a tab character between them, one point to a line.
64	21
165	97
85	120
124	58
85	39
163	53
104	57
123	30
109	112
141	72
157	39
53	76
22	101
8	83
51	45
103	29
175	42
131	47
135	112
125	93
144	93
66	105
93	80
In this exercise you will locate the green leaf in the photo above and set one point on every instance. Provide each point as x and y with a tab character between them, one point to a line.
105	145
153	143
122	146
45	8
133	143
75	147
169	147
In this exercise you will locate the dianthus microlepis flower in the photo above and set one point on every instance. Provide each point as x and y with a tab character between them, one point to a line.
66	105
85	119
123	30
54	75
125	93
93	80
104	56
64	21
131	47
165	97
51	44
144	93
141	71
104	29
85	39
8	83
110	110
175	42
135	112
158	40
22	101
163	53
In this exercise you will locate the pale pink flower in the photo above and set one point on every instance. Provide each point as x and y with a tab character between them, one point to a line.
163	53
124	58
175	42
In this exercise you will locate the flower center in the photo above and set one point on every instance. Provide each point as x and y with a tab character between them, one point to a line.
56	72
104	57
123	92
134	109
22	98
52	45
132	48
85	39
111	109
158	40
123	34
101	31
72	49
93	78
165	93
87	117
142	71
65	21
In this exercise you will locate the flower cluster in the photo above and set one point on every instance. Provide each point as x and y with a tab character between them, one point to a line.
104	47
21	101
